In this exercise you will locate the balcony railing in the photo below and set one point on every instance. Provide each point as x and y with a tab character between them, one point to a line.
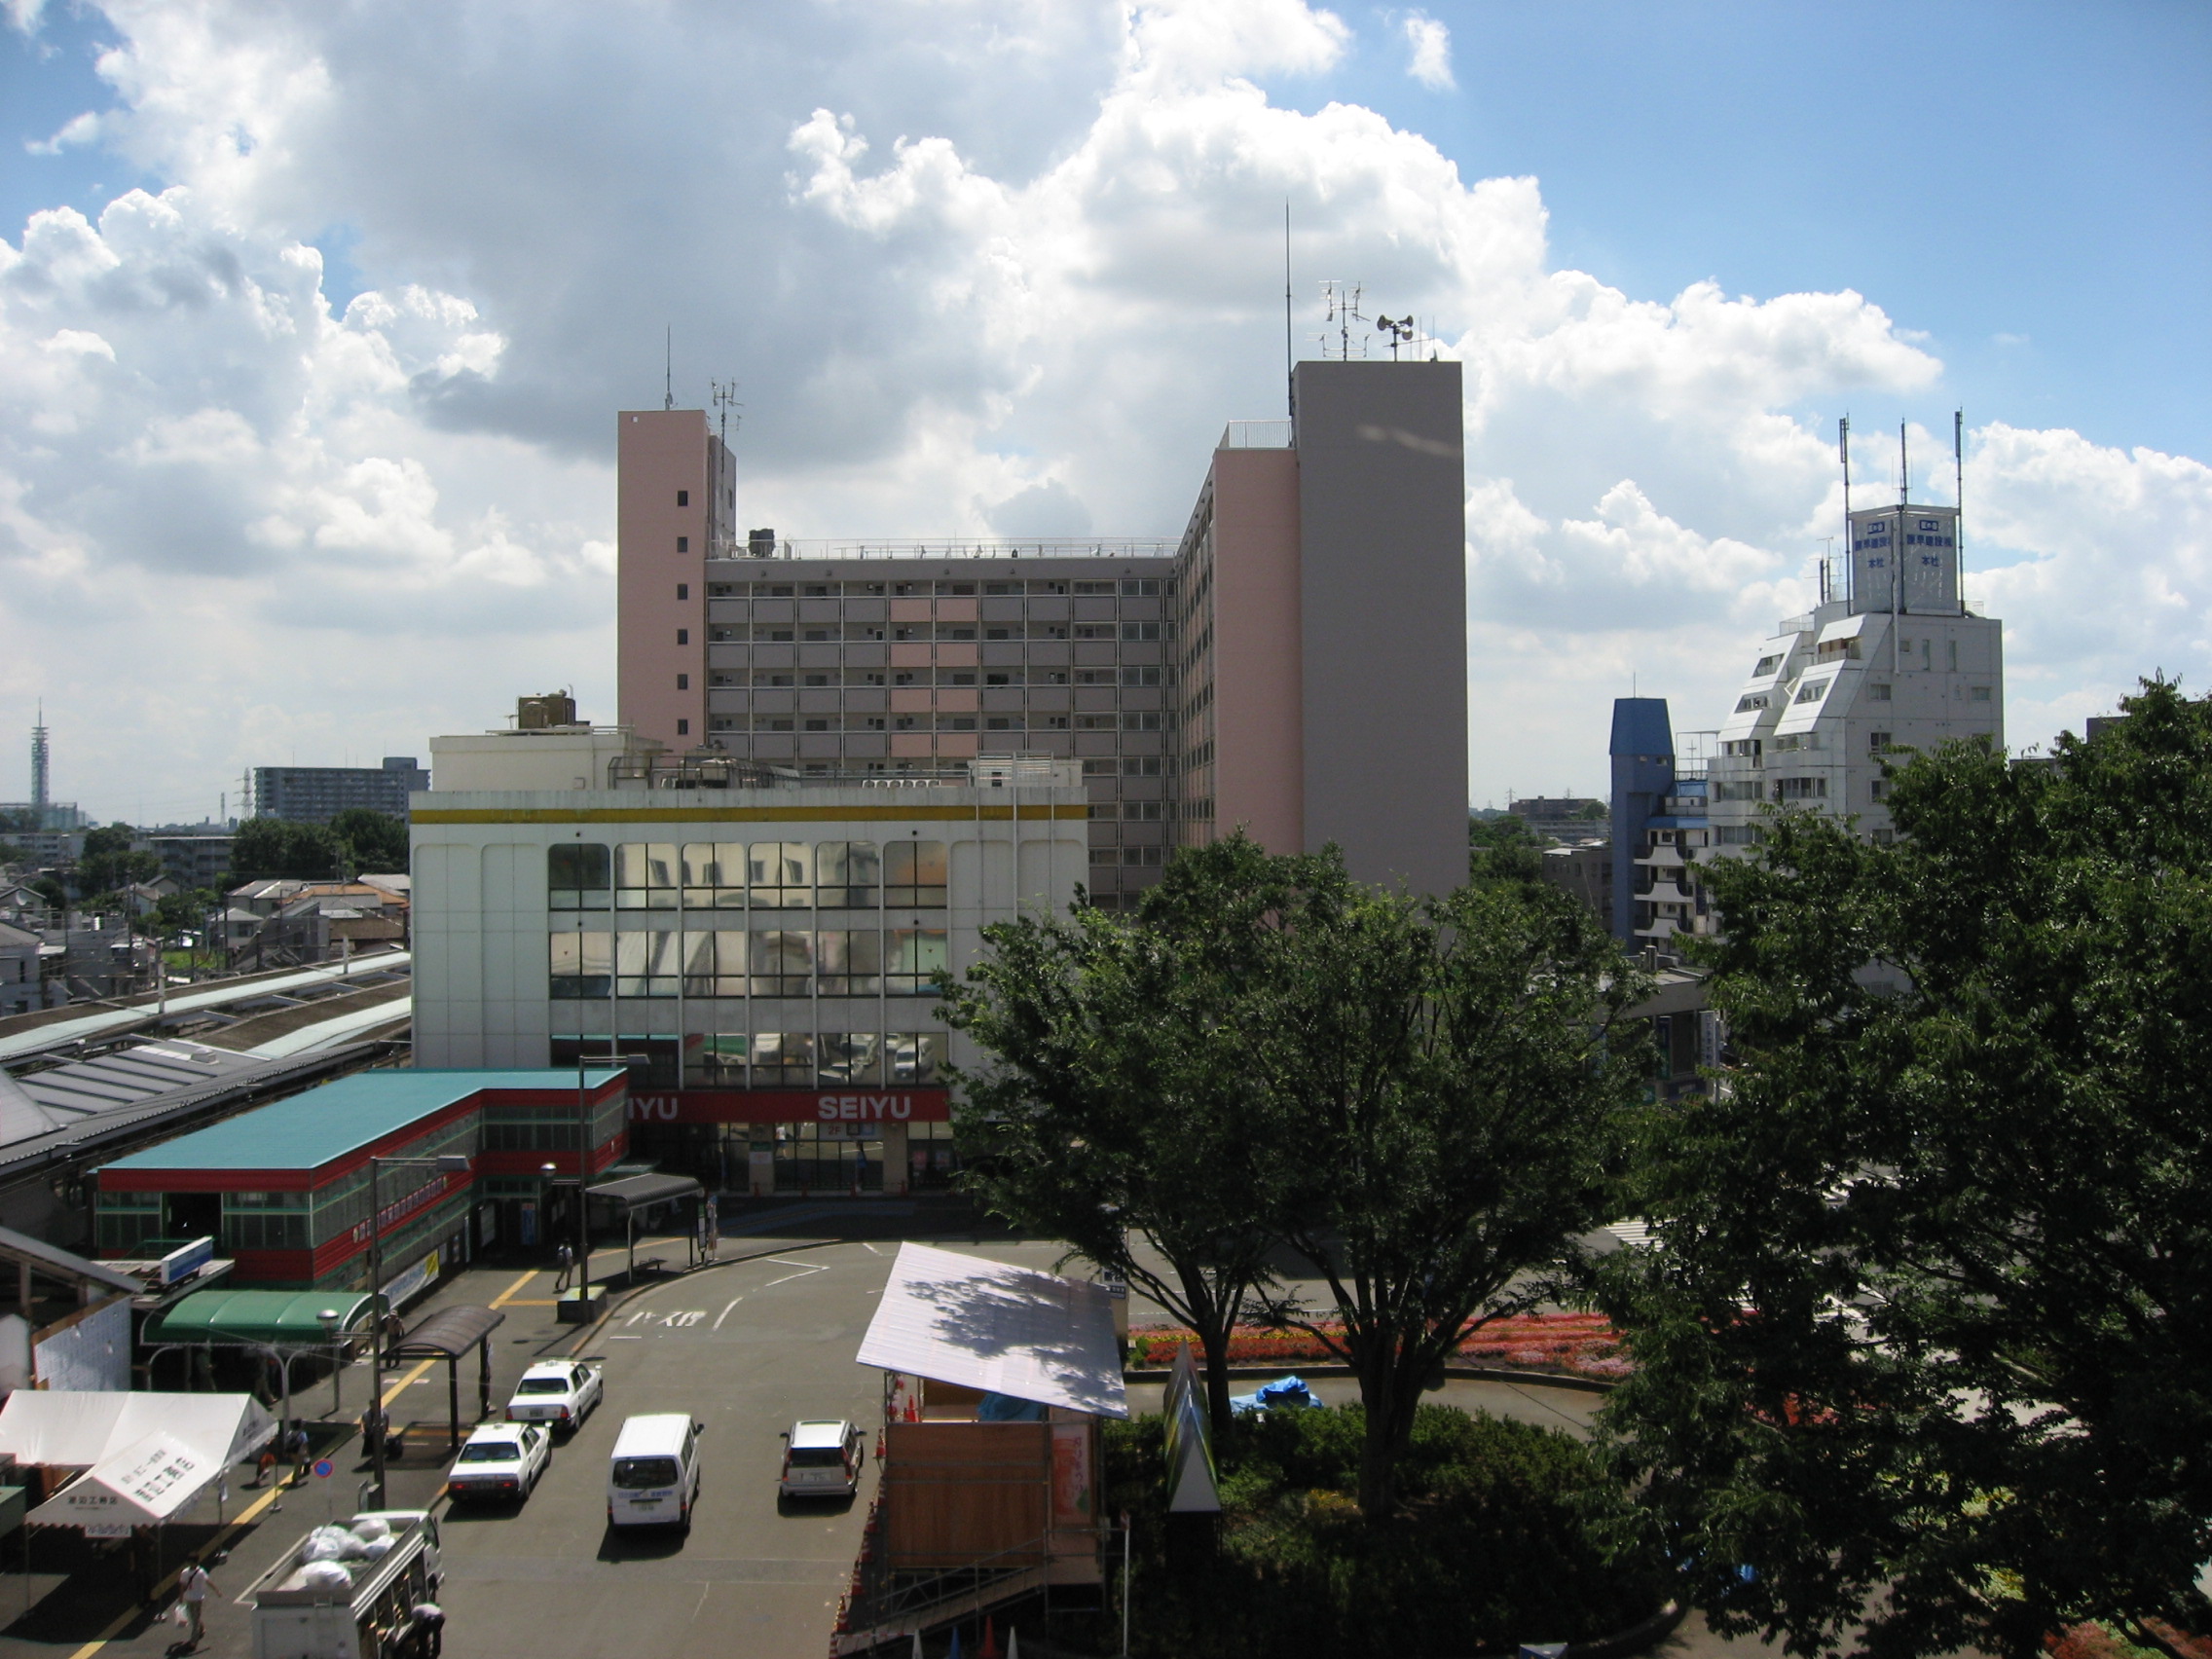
951	547
1257	434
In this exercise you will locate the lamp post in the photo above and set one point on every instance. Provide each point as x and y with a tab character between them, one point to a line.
446	1163
328	1321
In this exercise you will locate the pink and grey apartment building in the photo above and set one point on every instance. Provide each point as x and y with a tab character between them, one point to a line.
1294	664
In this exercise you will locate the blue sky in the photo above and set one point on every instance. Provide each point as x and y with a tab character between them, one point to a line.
977	259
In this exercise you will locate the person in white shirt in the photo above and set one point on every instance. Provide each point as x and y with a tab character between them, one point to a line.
193	1584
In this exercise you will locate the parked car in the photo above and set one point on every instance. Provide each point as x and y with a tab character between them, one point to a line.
652	1476
502	1460
821	1459
562	1392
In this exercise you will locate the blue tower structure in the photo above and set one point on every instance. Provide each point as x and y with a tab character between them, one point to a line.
1643	751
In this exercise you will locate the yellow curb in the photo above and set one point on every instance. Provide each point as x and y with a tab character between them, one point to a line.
501	1300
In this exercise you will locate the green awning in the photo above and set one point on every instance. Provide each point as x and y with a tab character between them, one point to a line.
276	1319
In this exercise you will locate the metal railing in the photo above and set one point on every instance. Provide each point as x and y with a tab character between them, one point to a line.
885	1603
1257	434
951	547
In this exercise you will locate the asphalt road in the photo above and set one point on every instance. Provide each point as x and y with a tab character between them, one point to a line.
746	1347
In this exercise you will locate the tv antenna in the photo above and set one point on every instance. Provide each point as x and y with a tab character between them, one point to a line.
668	359
725	399
1341	306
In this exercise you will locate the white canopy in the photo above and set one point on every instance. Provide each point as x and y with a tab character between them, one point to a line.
1007	1330
146	1456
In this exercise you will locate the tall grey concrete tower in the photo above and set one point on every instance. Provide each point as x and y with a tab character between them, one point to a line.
41	791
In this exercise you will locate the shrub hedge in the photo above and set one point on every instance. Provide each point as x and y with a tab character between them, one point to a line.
1497	1543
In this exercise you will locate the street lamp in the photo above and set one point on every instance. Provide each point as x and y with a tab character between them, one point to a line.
446	1163
328	1321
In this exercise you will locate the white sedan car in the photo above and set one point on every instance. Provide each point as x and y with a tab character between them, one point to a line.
500	1461
562	1392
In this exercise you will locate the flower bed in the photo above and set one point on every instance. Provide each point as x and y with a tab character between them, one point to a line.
1575	1344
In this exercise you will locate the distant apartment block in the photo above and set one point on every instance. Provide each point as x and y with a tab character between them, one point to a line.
194	861
315	794
1294	664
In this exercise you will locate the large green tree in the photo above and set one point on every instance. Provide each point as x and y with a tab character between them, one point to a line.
371	841
107	861
1121	1103
1457	1088
274	848
1926	1339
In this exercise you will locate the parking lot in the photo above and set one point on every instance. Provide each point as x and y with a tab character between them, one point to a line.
747	1345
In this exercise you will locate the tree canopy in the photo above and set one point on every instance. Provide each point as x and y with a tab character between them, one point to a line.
370	841
1926	1339
1123	1103
1460	1096
276	849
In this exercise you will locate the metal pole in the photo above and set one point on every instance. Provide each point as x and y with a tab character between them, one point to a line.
376	1337
1124	1584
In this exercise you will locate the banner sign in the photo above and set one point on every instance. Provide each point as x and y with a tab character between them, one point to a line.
892	1105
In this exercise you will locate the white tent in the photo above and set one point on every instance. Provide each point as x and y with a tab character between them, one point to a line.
1003	1329
146	1457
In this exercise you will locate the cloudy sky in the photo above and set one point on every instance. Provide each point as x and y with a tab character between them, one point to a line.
315	319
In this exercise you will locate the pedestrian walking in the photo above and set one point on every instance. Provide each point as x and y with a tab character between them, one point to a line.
297	1454
192	1585
428	1622
565	1260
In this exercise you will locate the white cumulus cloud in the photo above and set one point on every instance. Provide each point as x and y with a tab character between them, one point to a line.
992	267
1428	51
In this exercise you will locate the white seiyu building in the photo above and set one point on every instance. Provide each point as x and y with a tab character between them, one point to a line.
1886	665
760	947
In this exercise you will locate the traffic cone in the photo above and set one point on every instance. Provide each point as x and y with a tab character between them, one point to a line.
990	1647
1012	1644
953	1652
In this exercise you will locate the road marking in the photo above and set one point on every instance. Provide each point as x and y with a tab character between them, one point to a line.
619	1337
724	1313
501	1300
392	1392
532	1302
869	1248
684	1320
810	1266
785	1279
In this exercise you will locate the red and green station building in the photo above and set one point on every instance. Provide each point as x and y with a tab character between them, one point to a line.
283	1190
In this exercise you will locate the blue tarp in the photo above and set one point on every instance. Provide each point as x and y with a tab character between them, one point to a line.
1282	1391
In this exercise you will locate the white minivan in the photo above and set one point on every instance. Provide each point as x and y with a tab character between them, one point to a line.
653	1479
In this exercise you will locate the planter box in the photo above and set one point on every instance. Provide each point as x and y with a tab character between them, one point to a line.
576	1308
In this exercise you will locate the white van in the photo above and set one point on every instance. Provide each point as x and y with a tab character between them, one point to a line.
653	1479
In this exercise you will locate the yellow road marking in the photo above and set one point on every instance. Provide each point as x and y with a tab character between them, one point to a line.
533	1301
501	1300
390	1393
242	1518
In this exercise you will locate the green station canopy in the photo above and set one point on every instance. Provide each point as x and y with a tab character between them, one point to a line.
279	1318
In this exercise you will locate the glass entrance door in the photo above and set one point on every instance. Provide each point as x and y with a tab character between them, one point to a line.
820	1158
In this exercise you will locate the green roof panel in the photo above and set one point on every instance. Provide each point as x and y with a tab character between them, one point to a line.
322	1125
283	1318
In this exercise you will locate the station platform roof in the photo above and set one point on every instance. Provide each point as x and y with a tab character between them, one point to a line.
344	1118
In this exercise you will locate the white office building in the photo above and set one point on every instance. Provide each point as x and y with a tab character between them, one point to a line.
764	941
1882	667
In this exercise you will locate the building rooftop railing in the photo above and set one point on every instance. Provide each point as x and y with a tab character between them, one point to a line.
953	547
1257	434
700	769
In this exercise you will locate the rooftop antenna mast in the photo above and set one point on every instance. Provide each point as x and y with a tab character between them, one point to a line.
1904	469
1289	364
1843	450
1959	492
725	399
1400	329
1344	310
667	349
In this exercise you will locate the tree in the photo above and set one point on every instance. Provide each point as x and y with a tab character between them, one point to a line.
1503	849
1927	1336
370	841
184	911
107	861
272	848
1459	1095
1121	1101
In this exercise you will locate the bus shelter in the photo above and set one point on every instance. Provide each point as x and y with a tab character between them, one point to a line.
448	1335
652	1199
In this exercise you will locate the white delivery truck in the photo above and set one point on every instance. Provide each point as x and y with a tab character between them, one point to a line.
345	1592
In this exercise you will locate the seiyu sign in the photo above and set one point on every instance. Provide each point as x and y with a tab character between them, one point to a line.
792	1106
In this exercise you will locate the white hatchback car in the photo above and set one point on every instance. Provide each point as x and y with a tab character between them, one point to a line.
500	1461
560	1392
821	1459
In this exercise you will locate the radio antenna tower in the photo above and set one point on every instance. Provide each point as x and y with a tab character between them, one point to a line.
40	792
1904	468
725	399
668	361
